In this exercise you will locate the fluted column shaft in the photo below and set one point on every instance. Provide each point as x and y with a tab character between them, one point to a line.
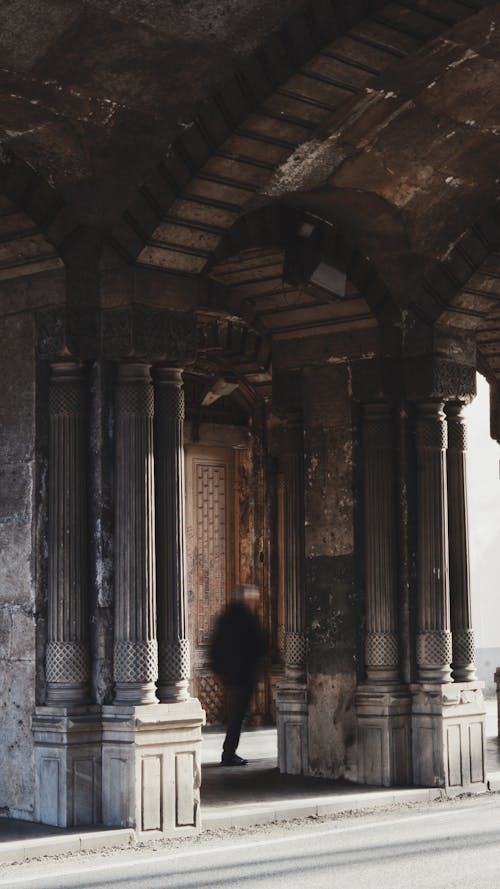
381	642
295	648
67	659
173	645
433	621
458	537
136	654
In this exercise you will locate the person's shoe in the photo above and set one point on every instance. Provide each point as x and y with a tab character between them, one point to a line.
232	759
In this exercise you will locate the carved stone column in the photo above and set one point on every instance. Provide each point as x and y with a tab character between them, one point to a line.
291	697
464	669
67	732
434	650
151	750
383	705
135	654
295	646
67	659
173	644
381	641
448	719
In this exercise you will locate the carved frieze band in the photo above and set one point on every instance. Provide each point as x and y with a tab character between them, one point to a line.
427	376
174	661
295	649
131	332
136	661
382	650
434	647
67	662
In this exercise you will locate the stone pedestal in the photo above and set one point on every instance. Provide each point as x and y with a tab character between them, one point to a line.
449	736
291	718
384	742
151	772
67	765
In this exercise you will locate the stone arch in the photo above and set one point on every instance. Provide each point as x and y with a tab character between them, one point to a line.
286	92
276	225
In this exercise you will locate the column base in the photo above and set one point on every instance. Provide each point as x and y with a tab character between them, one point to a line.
67	765
151	771
449	736
292	723
384	724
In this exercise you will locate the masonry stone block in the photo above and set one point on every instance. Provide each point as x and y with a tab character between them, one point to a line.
449	736
151	767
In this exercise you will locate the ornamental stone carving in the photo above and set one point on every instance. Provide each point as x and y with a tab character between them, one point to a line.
174	661
295	649
141	332
430	377
136	662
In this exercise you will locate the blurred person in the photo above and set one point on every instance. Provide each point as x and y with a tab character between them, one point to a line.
237	650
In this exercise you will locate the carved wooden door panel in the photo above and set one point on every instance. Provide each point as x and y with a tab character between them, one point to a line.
210	532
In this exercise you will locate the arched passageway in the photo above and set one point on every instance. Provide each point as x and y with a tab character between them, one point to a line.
249	272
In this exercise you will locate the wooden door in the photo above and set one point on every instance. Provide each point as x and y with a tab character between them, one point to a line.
210	533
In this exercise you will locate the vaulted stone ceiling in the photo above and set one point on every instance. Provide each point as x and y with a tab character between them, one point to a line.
160	127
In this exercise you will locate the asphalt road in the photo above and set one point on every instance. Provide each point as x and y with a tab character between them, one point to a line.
443	846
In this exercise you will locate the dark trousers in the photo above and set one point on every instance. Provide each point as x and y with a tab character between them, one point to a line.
238	701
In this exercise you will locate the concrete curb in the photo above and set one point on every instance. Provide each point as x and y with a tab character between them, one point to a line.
15	851
265	813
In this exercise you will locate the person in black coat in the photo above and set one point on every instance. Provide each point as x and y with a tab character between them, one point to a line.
237	648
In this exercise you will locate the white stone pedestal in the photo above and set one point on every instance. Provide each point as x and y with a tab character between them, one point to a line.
449	736
151	772
291	719
384	723
67	765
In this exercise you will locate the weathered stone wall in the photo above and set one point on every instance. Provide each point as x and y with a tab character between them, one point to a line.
19	478
333	603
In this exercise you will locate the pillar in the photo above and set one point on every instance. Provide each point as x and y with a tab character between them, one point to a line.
67	730
135	651
382	703
151	750
448	717
174	666
464	669
434	649
291	696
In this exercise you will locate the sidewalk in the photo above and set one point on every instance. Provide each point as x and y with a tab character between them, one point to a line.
243	796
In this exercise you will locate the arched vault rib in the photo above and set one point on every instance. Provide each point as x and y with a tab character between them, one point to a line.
37	227
198	200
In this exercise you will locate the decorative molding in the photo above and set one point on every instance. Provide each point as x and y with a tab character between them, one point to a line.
429	377
116	334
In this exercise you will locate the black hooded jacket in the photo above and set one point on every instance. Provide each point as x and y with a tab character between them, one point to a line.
238	645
